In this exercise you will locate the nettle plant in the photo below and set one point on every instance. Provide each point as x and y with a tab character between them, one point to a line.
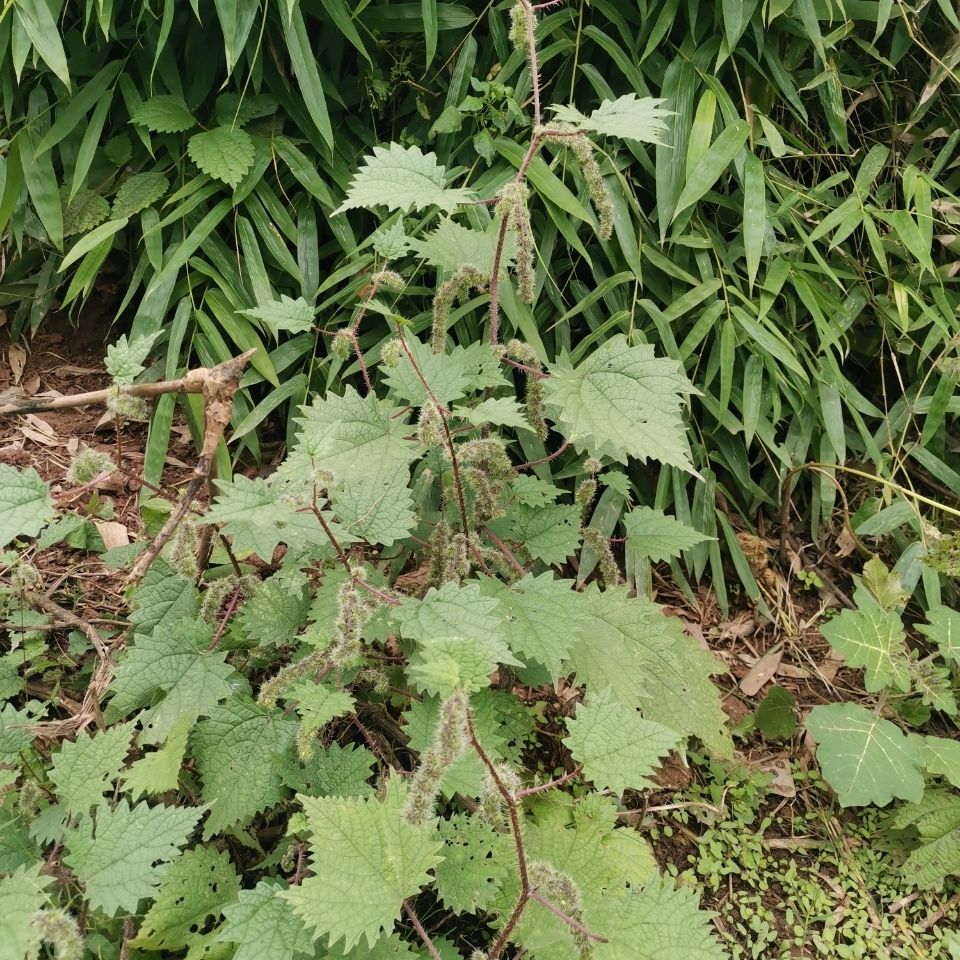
871	756
409	736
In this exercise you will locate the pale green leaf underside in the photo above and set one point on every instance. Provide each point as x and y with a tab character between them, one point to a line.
653	534
377	858
284	315
119	857
263	926
629	117
621	402
25	503
943	629
616	746
873	639
865	758
402	178
452	245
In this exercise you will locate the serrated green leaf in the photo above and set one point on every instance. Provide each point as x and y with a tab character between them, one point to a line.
615	745
630	117
284	315
402	178
936	820
550	533
379	858
15	733
374	509
943	628
125	358
158	771
25	503
85	211
447	373
263	926
390	242
865	758
541	618
22	896
443	665
649	662
499	411
138	192
317	704
352	437
277	610
238	751
193	892
163	598
622	401
84	769
119	856
476	860
175	662
163	114
873	639
652	534
118	150
224	153
452	245
661	922
257	519
336	771
448	611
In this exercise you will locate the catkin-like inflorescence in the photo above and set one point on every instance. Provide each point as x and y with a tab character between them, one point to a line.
561	889
519	15
430	430
584	152
342	344
449	742
586	491
493	805
220	589
457	287
354	609
535	399
489	472
28	800
61	931
607	565
391	353
125	406
87	465
439	544
183	548
512	204
391	280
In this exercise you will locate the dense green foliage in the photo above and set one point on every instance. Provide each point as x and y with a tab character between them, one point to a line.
512	284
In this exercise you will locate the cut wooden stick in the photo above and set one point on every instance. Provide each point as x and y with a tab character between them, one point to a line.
218	385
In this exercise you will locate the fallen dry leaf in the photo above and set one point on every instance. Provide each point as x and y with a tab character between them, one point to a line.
793	672
112	533
17	358
828	668
779	768
761	673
